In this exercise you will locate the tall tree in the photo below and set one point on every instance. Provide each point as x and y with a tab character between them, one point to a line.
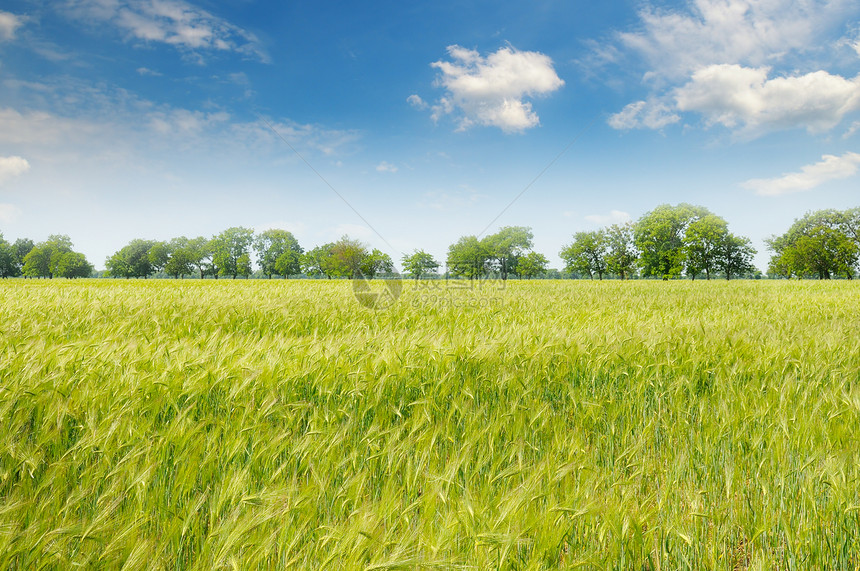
376	262
55	258
132	261
532	265
735	256
586	254
278	253
505	246
469	258
23	246
419	263
8	259
818	244
200	255
73	265
230	255
659	237
318	261
179	263
704	241
621	255
348	256
43	259
159	255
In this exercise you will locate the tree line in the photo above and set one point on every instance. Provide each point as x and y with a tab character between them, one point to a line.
52	258
668	242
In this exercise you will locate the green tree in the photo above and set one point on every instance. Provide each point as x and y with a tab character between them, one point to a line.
159	255
621	254
375	263
506	246
704	241
55	258
230	252
659	237
180	261
200	255
347	258
8	259
469	258
532	265
73	265
419	263
735	256
818	244
43	259
132	261
278	253
586	254
318	261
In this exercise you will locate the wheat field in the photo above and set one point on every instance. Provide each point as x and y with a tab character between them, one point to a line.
547	424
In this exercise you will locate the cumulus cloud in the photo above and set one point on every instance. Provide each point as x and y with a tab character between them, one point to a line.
740	96
829	168
677	42
614	217
385	166
718	58
11	167
173	22
491	90
643	114
9	24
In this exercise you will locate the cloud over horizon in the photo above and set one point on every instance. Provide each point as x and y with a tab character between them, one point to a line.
829	168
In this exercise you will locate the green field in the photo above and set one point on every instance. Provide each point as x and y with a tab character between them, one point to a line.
567	424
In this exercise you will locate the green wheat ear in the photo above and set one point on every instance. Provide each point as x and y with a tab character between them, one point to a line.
568	424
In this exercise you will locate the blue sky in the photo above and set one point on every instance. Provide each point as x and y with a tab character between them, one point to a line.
124	119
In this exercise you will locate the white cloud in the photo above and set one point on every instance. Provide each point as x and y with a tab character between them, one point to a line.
185	122
11	167
614	217
150	72
831	167
417	102
490	90
173	22
9	24
328	141
714	57
734	96
675	43
855	126
647	114
385	166
41	128
9	213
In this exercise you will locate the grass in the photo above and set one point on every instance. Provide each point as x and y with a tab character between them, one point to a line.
262	425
